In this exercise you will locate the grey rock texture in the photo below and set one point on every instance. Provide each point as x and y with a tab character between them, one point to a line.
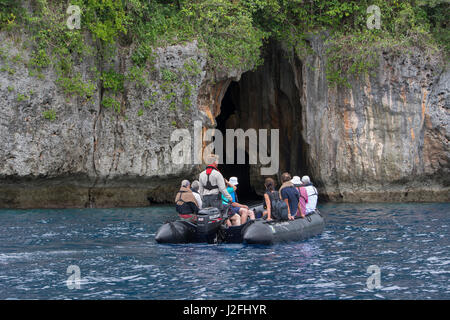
91	156
384	139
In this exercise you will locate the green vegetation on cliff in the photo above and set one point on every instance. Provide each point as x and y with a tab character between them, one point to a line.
231	32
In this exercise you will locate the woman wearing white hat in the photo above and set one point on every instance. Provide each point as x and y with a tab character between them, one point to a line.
238	213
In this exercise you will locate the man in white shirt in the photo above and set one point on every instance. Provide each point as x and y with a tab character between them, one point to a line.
212	184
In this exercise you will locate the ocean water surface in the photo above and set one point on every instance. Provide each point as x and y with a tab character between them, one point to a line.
118	257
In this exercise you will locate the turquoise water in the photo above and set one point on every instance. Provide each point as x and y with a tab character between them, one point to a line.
118	257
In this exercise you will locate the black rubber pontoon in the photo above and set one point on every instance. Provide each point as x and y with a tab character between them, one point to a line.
270	232
210	228
205	229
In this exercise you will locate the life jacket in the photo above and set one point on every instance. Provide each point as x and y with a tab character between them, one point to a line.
208	185
188	205
314	193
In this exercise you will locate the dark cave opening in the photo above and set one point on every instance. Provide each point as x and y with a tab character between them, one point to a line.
269	97
229	110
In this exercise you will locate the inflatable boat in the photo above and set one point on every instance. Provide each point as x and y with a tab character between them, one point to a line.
270	232
205	229
210	228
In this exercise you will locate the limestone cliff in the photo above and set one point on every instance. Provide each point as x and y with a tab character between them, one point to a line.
386	137
90	155
383	139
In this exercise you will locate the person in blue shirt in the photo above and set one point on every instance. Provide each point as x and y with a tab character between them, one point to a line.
239	213
290	195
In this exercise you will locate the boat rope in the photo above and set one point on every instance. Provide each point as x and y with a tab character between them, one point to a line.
318	212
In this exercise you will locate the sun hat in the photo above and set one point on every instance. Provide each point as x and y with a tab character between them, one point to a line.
233	181
296	180
306	180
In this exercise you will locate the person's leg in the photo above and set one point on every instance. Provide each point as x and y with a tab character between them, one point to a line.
264	215
235	220
212	201
251	214
218	204
206	201
244	215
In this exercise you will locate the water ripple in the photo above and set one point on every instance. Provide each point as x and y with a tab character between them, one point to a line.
118	257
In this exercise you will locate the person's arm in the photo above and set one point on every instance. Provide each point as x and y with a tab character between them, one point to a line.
221	184
235	204
267	200
200	185
200	202
297	195
285	198
194	207
290	216
302	214
289	209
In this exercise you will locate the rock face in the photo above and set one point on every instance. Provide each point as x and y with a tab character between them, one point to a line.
384	139
92	156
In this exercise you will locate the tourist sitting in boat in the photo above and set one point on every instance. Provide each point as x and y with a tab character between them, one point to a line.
194	187
186	204
290	195
303	196
212	184
274	207
312	195
236	208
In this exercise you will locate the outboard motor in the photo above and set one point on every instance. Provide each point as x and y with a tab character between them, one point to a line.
208	223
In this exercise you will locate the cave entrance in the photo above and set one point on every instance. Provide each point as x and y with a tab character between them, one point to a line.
227	119
269	97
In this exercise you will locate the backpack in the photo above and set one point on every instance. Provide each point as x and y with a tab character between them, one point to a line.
279	209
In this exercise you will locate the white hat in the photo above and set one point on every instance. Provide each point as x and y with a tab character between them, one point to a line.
233	181
296	180
306	180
